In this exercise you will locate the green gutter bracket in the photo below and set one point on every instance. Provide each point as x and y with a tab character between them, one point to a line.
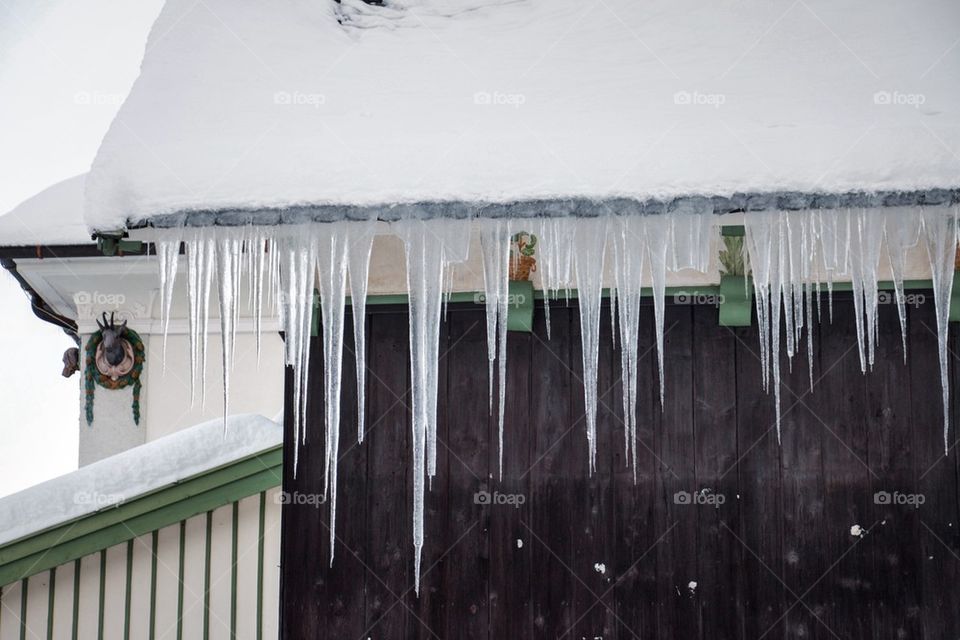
736	301
520	306
732	230
114	245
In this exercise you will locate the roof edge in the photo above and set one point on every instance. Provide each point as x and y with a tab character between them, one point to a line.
559	207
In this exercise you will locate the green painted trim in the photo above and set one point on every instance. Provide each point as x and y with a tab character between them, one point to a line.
76	600
233	570
24	588
887	285
736	301
206	577
155	543
51	591
64	532
126	524
260	536
520	306
129	591
180	577
103	591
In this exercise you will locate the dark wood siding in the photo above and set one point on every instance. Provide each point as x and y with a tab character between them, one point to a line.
775	560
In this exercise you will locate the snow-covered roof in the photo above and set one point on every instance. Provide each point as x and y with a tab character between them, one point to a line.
52	217
251	105
135	472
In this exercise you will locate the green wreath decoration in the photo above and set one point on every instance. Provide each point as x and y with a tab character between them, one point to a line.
93	377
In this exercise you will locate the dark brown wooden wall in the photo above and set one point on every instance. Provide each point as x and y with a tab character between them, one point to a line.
776	560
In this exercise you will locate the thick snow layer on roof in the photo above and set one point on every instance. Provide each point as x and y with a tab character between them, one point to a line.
250	104
52	217
135	472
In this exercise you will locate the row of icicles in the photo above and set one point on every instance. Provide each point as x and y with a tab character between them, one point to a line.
790	255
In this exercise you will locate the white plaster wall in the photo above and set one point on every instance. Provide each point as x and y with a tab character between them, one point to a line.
254	388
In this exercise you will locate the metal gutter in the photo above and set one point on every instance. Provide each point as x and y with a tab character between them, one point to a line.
39	306
557	207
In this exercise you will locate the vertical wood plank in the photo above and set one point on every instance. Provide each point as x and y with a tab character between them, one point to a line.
714	368
593	559
469	477
759	529
558	454
939	530
389	539
847	479
805	518
677	555
510	566
894	586
635	503
341	592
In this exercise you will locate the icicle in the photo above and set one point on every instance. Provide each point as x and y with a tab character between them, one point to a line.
298	277
200	267
902	232
628	234
591	237
258	250
227	249
940	236
333	242
168	255
790	251
207	271
555	251
658	242
865	242
495	246
763	241
613	317
193	253
429	249
358	266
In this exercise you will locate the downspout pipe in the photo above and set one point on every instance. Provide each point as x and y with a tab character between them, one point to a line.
39	306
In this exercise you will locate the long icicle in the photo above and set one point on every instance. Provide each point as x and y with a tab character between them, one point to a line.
332	246
495	246
429	249
940	234
358	266
590	240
